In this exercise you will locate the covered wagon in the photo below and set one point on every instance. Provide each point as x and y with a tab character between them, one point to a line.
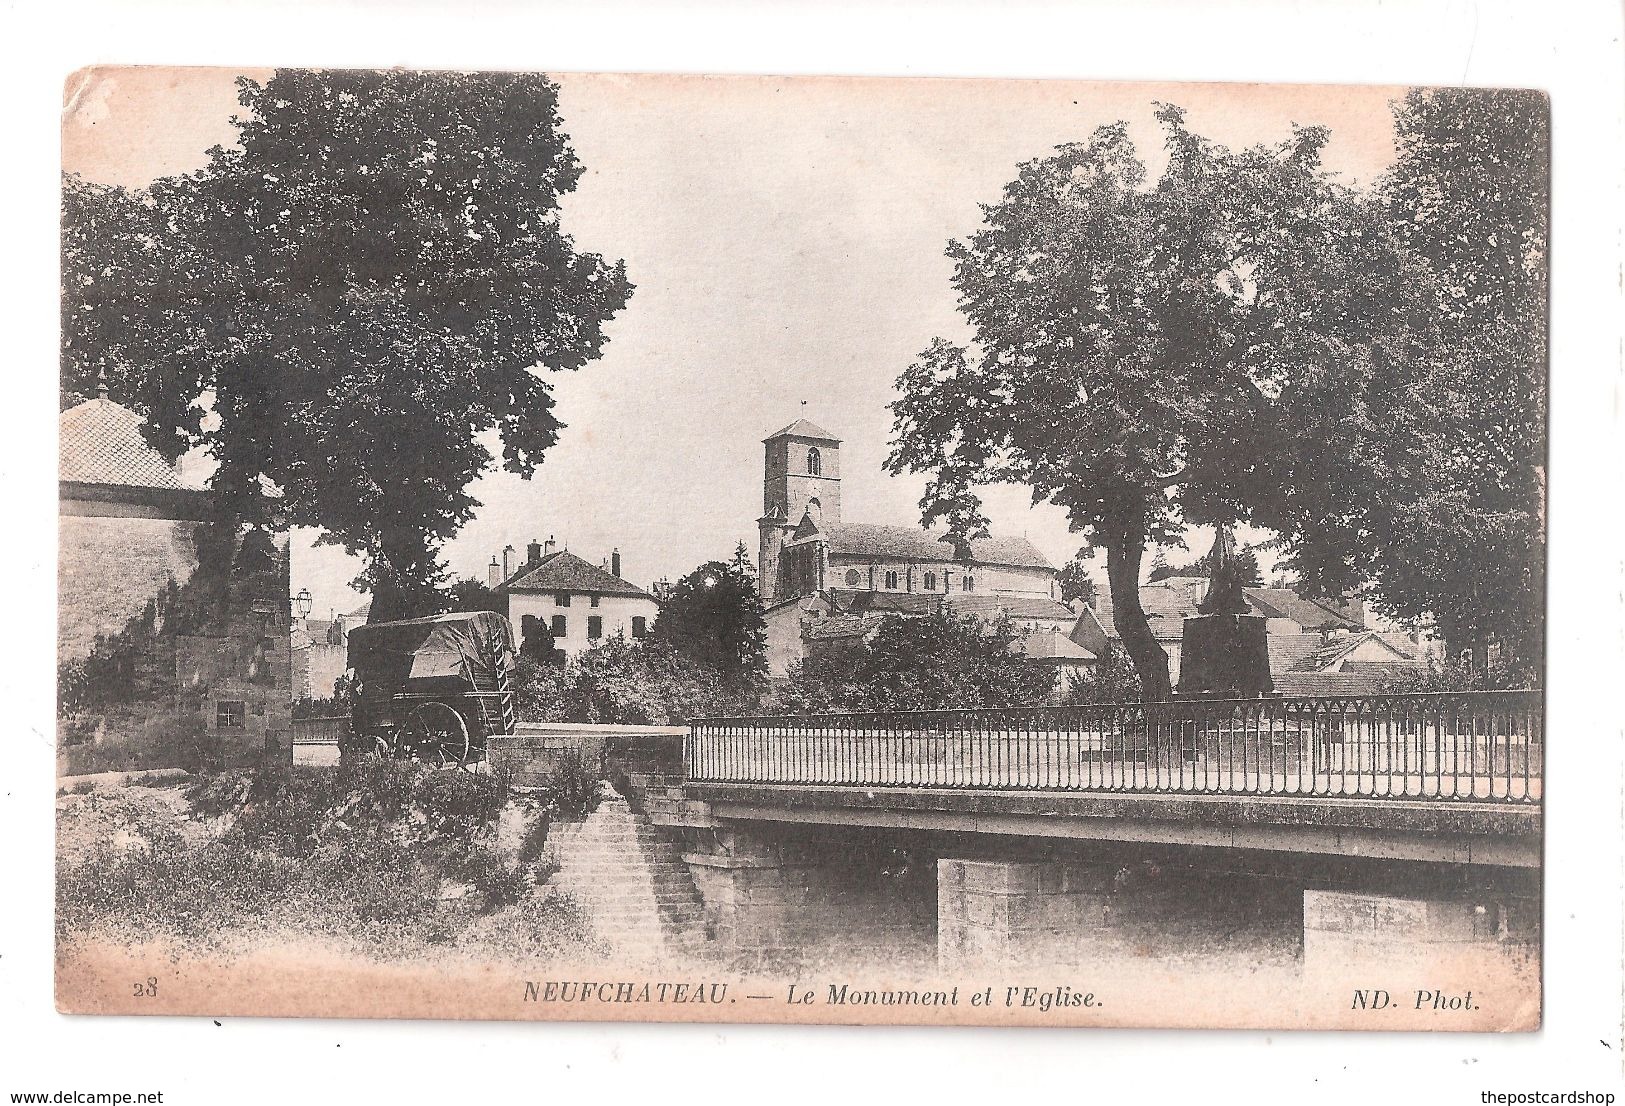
433	689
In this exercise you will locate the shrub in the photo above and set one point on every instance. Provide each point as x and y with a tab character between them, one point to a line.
126	740
573	790
388	853
534	843
627	683
935	662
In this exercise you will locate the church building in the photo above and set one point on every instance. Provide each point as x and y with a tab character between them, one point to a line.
814	565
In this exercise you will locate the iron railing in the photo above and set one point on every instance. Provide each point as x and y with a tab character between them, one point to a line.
1472	746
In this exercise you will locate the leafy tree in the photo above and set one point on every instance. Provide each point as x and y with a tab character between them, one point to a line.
1132	344
714	616
1075	581
1431	483
934	662
621	682
372	280
473	594
1112	680
1245	566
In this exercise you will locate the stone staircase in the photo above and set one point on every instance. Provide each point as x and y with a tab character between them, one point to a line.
633	883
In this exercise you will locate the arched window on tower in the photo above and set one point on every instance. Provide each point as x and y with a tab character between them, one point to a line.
891	581
970	583
815	461
930	581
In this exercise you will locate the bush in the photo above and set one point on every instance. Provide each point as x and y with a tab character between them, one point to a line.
1455	675
626	683
1112	680
390	854
125	740
573	790
931	663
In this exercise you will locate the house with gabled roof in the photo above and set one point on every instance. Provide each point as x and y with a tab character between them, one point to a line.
577	603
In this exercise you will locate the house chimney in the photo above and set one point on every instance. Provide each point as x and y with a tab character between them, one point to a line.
493	573
533	552
550	544
507	562
615	563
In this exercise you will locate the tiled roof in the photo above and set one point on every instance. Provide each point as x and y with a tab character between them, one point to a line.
908	543
1051	645
101	443
835	629
854	601
1286	603
1016	606
1338	648
801	428
1168	602
564	571
1289	652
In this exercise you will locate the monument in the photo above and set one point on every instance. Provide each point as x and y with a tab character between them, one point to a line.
1225	651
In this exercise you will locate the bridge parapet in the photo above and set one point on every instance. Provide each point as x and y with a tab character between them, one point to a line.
1473	747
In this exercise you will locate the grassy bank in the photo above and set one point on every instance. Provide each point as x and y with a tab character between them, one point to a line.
383	858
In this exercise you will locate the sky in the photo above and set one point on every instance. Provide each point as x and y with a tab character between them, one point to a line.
786	239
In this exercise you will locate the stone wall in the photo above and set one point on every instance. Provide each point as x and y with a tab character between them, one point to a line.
1010	911
1352	927
109	568
534	754
781	896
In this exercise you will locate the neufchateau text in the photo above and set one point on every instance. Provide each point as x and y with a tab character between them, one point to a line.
1042	999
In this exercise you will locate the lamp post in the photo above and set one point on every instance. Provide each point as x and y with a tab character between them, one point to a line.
300	603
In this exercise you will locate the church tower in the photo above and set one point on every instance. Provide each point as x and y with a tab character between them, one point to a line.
801	474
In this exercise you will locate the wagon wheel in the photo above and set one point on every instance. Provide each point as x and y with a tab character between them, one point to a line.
435	734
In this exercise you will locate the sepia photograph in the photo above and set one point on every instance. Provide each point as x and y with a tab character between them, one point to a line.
702	548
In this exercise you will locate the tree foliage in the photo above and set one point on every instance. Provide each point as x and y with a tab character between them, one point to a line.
1133	345
1111	680
369	282
714	616
934	662
1245	566
627	683
472	594
1430	483
1075	580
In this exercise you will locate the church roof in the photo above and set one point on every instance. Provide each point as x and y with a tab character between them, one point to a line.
1012	606
100	442
801	428
856	601
564	571
909	543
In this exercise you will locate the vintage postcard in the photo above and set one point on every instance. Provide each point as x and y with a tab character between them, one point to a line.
667	548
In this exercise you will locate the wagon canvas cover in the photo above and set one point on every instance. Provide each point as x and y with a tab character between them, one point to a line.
438	646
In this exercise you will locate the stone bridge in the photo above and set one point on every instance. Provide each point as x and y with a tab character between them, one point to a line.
986	835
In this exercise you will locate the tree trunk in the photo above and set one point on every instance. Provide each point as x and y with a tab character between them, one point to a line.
1124	551
404	578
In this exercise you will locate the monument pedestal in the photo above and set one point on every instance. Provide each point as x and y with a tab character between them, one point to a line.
1223	656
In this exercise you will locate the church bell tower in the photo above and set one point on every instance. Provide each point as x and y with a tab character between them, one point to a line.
801	475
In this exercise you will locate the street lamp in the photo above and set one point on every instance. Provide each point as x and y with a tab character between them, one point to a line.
301	602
